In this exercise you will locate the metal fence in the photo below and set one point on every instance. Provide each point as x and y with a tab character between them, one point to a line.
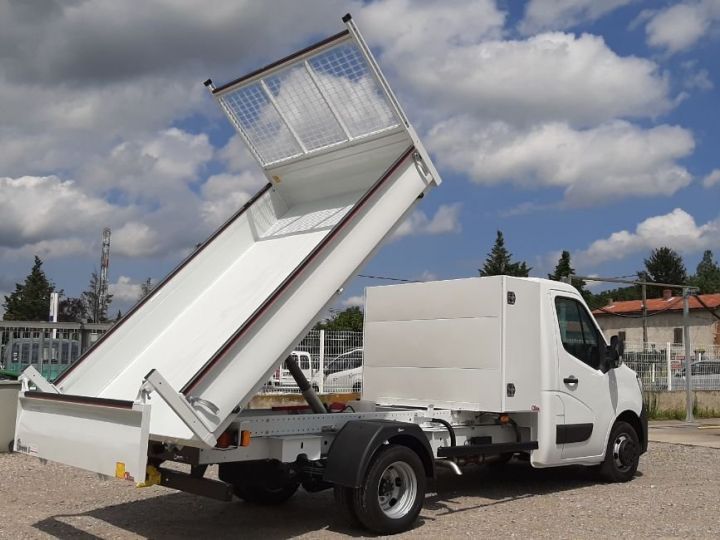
331	361
48	347
661	366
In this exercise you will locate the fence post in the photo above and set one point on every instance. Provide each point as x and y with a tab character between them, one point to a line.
668	355
688	361
321	366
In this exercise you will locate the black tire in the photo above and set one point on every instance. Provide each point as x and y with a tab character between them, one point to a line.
345	504
397	476
622	455
264	483
266	495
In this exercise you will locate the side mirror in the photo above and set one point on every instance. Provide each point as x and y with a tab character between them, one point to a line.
614	352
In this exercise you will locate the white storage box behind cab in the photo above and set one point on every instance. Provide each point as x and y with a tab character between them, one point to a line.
471	344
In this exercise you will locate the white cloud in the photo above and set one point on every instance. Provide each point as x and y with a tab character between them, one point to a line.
225	193
712	179
406	26
560	14
427	275
48	209
679	27
125	290
151	167
446	220
696	78
551	76
47	249
677	230
135	239
615	159
353	301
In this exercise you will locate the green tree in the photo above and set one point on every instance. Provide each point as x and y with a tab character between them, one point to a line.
31	300
499	261
707	274
563	269
72	310
350	319
91	298
620	294
664	265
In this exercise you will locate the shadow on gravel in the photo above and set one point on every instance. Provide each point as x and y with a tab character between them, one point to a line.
182	515
503	484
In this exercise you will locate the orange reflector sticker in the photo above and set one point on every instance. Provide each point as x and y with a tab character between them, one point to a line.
120	470
245	438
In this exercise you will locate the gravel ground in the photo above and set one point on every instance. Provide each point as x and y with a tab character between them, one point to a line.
675	494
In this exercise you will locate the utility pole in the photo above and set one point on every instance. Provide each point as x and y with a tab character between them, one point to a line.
688	368
644	315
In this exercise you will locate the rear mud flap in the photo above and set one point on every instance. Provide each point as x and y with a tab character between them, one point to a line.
106	436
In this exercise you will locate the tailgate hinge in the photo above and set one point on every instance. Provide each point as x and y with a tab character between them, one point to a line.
179	405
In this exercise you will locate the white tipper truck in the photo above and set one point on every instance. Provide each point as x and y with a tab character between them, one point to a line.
456	372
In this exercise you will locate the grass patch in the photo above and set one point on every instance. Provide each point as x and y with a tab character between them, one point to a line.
677	413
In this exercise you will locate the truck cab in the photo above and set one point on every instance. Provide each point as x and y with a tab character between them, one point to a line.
525	346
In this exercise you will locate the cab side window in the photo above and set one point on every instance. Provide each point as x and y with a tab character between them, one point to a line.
579	336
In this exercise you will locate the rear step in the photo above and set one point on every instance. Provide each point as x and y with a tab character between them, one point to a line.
205	487
485	449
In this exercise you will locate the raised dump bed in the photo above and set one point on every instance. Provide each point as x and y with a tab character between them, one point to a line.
344	167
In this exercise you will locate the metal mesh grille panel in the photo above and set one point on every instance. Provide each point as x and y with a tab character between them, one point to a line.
326	99
305	109
265	130
345	78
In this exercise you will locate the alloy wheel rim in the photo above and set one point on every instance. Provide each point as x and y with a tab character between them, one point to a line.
397	489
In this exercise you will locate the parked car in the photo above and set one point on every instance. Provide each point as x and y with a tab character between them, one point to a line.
6	375
343	373
705	375
282	379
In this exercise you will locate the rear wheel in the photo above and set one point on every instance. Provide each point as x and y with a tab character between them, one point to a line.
260	482
622	455
392	494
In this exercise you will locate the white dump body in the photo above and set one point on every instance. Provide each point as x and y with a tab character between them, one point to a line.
456	344
344	168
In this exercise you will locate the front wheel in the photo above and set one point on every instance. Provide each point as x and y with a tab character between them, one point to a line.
622	455
391	497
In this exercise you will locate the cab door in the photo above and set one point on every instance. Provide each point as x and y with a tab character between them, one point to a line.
586	392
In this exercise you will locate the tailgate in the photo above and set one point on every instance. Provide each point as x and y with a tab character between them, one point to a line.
105	436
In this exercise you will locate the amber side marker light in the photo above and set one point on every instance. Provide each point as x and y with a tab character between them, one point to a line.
504	418
245	437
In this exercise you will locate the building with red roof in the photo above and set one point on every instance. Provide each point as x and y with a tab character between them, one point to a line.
665	320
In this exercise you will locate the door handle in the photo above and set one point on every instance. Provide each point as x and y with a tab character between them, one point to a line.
570	380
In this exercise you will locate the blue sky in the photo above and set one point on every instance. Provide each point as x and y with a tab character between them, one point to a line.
579	125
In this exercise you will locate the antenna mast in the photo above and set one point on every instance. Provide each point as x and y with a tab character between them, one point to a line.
104	266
